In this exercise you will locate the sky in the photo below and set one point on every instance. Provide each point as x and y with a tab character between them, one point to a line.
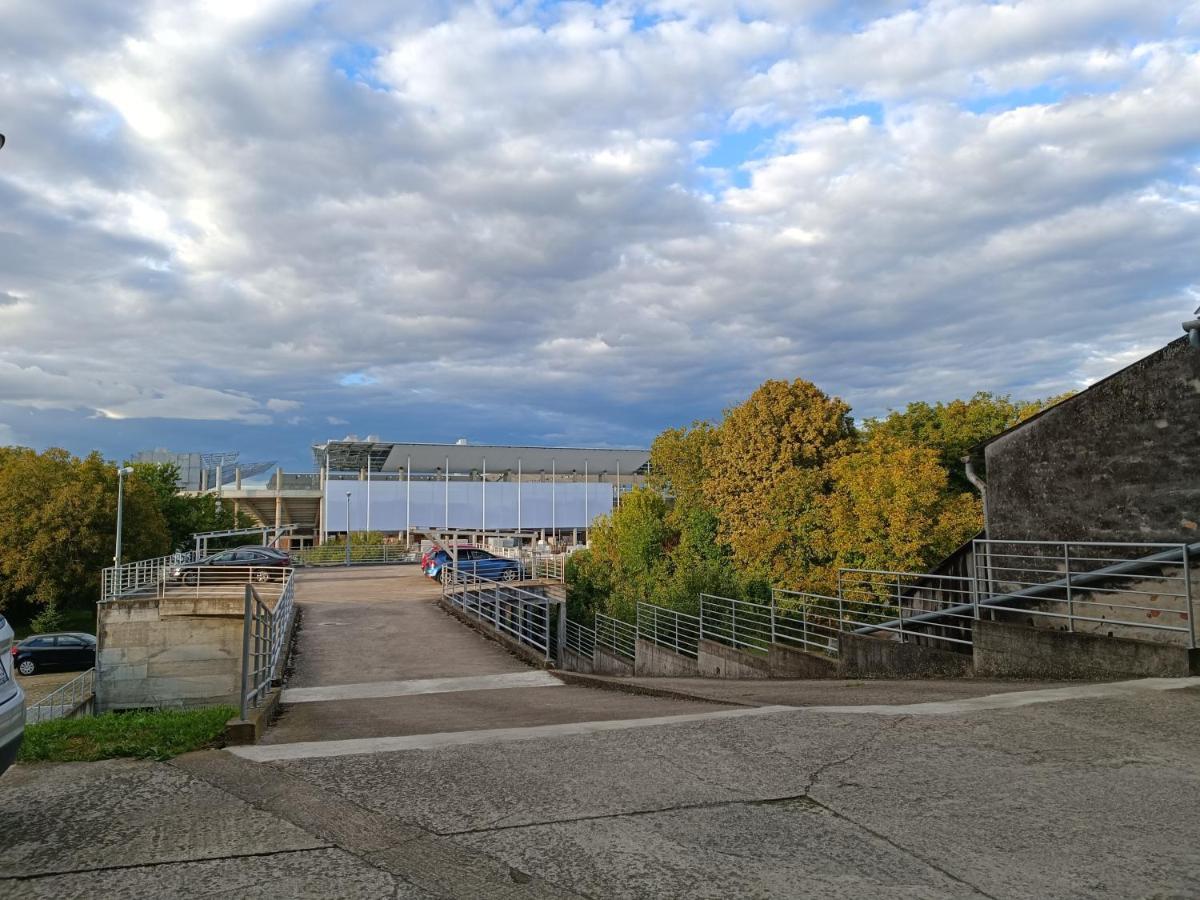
258	225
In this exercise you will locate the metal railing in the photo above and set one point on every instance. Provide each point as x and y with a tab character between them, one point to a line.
676	631
265	629
223	582
580	638
914	606
550	566
1140	591
64	701
336	555
812	622
615	635
142	576
510	610
738	623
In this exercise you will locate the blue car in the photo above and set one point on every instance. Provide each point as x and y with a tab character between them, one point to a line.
476	562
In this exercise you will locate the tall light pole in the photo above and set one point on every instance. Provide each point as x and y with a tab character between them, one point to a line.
121	473
347	528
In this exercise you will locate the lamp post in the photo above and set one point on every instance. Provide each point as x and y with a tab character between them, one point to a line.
347	528
121	473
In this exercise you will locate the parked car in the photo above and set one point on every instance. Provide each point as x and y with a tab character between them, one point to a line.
477	562
63	651
12	701
261	559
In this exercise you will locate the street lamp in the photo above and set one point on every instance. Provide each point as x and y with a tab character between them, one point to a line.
121	473
347	528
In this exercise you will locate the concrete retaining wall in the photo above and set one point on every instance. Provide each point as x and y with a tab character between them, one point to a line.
576	662
653	659
790	662
719	661
860	656
1004	650
155	655
605	662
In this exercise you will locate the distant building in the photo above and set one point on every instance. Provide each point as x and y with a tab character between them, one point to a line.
204	471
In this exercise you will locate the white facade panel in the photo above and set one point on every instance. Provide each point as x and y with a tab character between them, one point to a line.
507	505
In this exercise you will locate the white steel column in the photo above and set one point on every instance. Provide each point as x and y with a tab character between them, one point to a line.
618	482
553	497
368	491
586	520
518	493
483	490
447	483
408	502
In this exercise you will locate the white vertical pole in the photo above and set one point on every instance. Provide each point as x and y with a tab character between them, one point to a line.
325	501
368	491
408	502
586	520
447	483
618	482
553	498
518	493
483	491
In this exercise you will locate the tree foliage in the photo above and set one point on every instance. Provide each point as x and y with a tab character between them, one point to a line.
187	514
58	526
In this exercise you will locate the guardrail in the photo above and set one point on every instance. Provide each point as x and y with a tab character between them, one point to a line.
64	701
142	576
265	630
911	605
739	623
510	610
580	639
810	621
615	635
336	555
551	566
677	631
1134	590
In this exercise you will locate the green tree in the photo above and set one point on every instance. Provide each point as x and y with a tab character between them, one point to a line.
187	514
770	450
58	526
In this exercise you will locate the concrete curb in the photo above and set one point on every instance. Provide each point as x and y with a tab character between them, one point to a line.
622	686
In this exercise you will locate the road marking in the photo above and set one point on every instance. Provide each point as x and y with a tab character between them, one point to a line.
364	746
375	689
1016	699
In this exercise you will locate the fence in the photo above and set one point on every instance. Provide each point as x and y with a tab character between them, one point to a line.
936	609
580	639
668	628
265	631
810	621
551	566
510	610
359	554
1132	590
143	576
65	701
615	635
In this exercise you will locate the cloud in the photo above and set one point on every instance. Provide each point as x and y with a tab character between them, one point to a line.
585	221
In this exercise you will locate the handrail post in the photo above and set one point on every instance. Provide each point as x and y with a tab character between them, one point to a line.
772	617
900	607
246	652
1187	581
1070	597
701	617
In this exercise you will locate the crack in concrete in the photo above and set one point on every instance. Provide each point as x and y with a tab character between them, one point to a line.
166	862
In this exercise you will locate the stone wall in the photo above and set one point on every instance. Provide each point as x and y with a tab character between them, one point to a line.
720	661
1114	463
653	659
861	656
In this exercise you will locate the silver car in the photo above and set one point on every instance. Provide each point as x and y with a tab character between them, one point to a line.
12	701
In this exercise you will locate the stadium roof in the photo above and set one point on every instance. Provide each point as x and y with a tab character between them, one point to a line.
351	455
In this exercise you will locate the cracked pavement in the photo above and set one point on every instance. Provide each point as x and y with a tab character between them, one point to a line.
1082	794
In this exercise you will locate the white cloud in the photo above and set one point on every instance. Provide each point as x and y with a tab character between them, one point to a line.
227	213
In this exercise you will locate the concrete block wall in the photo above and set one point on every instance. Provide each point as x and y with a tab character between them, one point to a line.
862	656
720	661
1006	650
605	662
153	655
654	660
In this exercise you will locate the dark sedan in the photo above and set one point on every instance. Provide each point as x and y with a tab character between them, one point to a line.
62	651
265	563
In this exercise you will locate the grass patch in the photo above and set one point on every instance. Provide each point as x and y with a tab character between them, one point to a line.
151	734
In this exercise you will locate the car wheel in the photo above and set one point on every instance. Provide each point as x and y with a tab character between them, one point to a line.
27	667
510	575
261	576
